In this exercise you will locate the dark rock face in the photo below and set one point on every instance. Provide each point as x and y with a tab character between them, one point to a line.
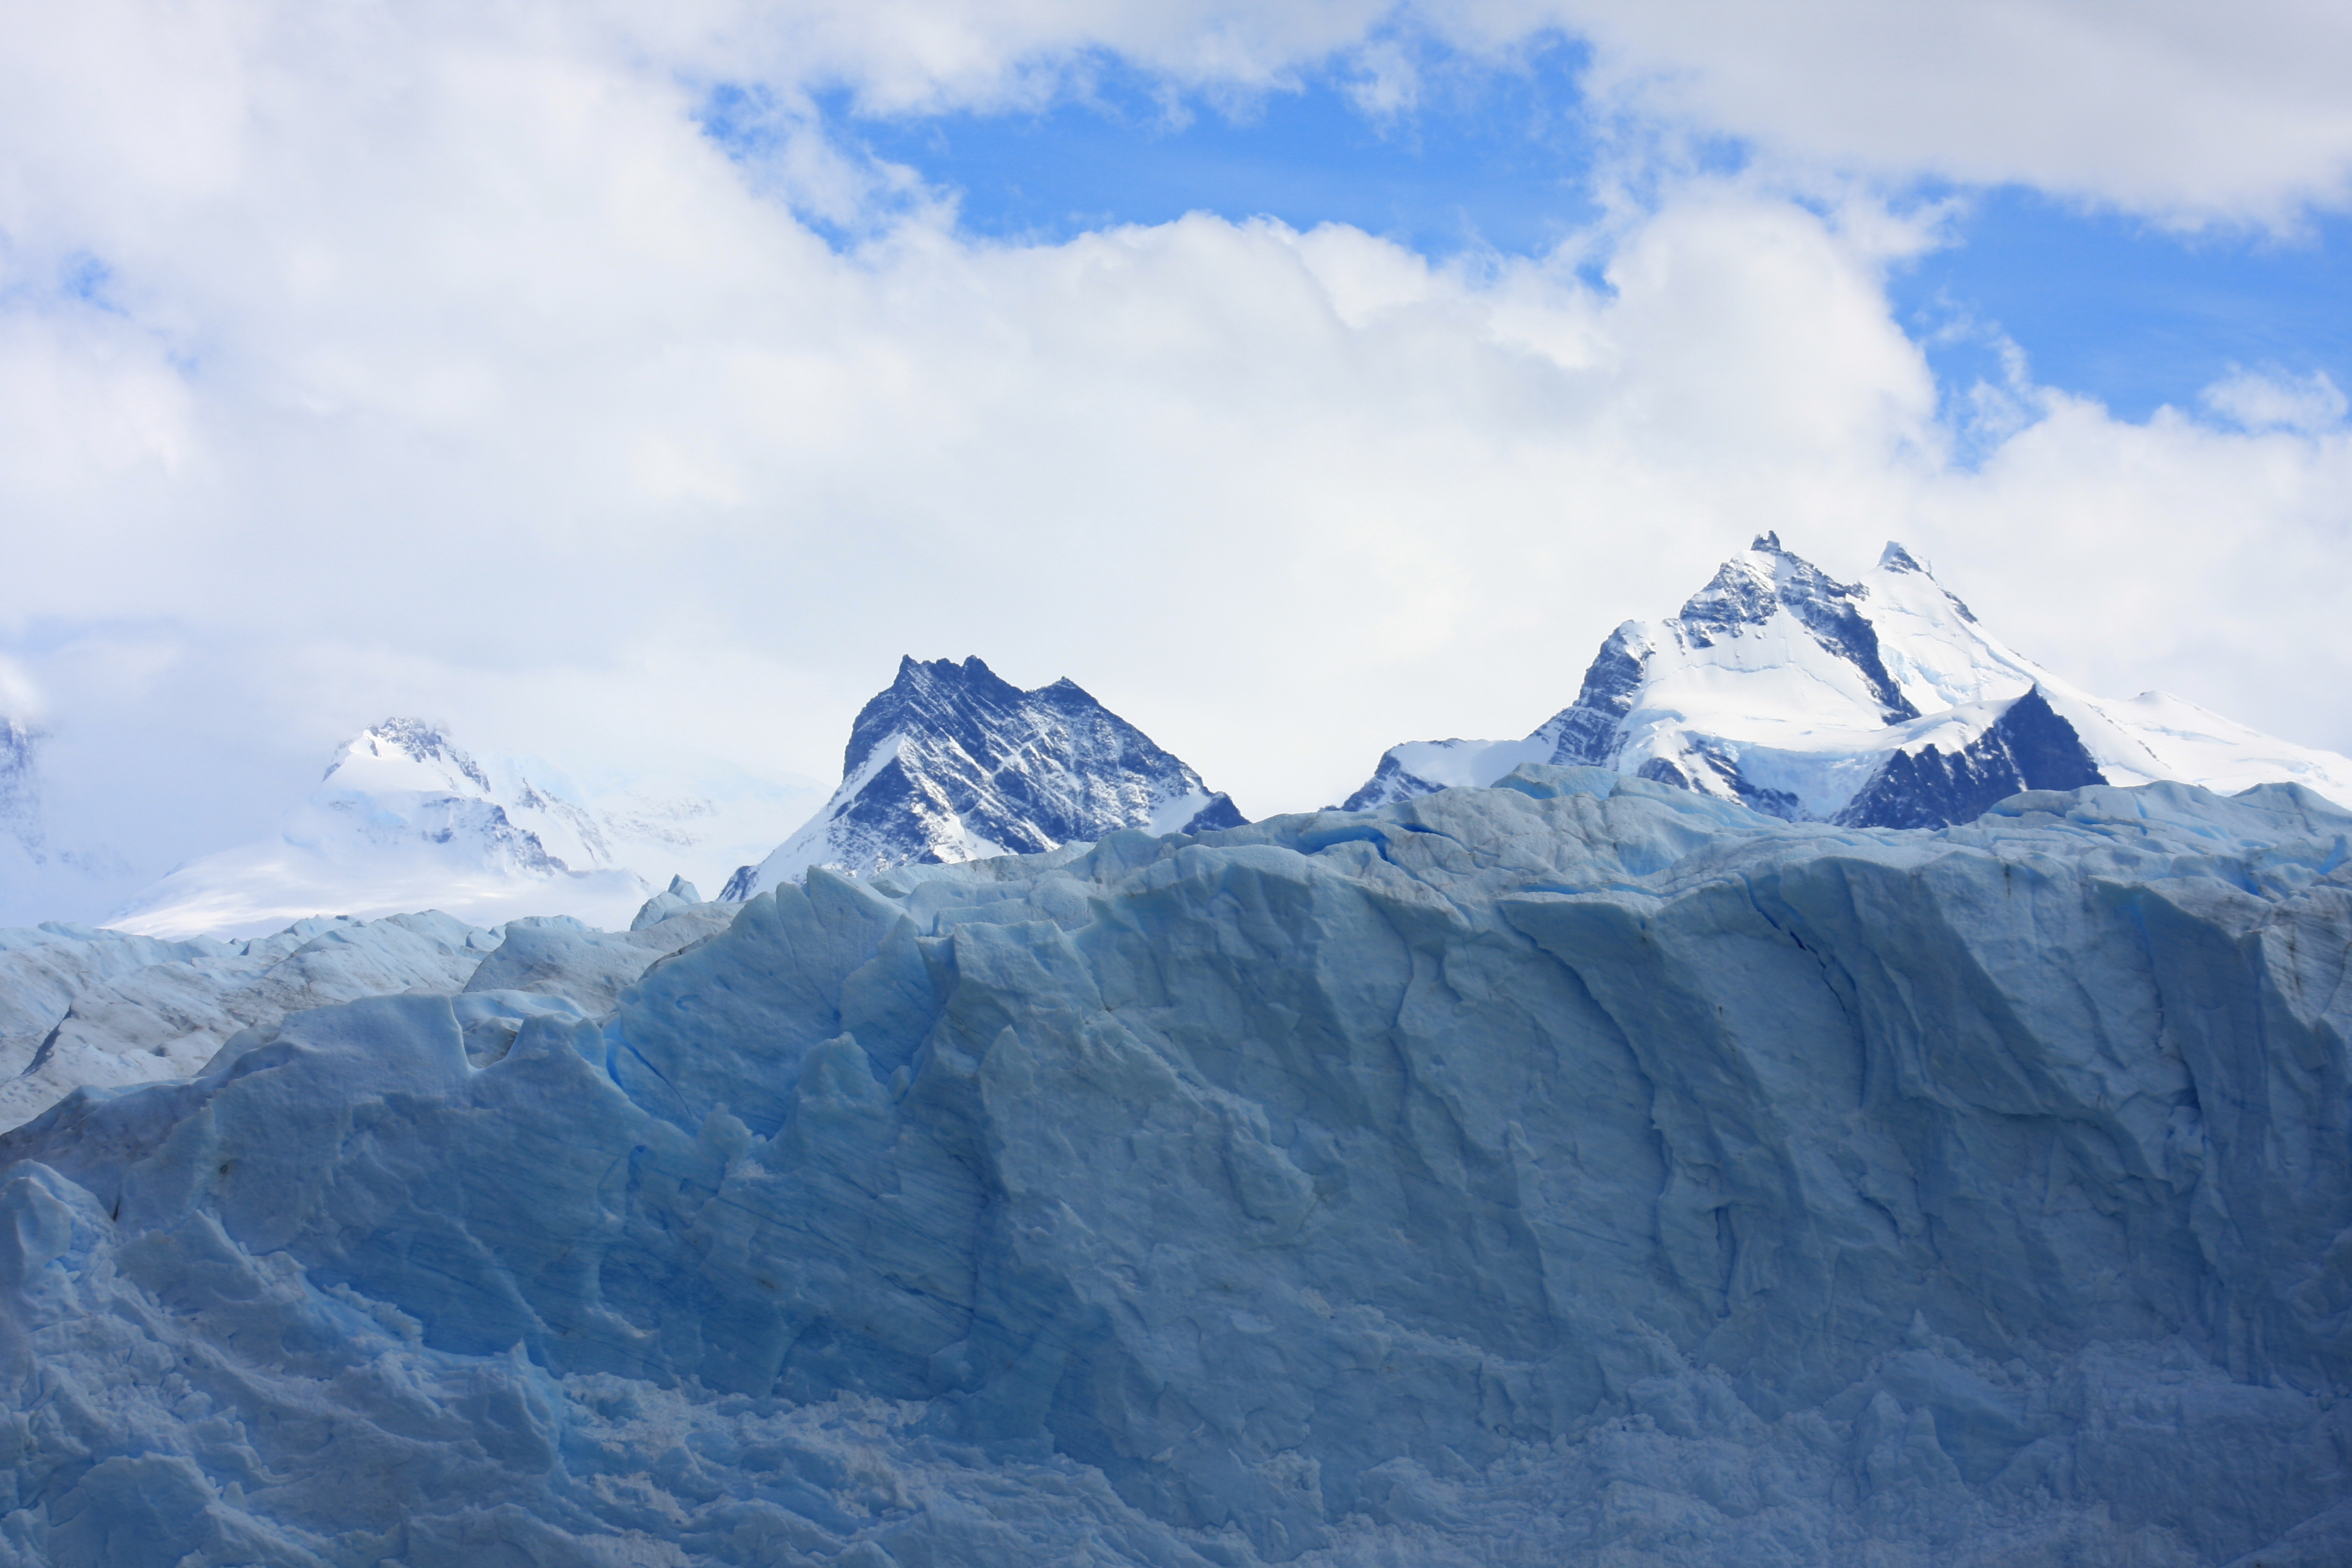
2029	747
1028	770
1722	759
1585	733
953	753
1389	782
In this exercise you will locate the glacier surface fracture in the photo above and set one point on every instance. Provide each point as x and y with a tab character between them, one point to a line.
1583	1169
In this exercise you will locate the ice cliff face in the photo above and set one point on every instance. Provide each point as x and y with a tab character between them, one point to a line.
108	1009
1582	1170
952	763
1878	703
406	820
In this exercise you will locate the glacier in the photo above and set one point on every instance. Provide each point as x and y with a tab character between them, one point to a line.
83	1005
1879	703
1581	1169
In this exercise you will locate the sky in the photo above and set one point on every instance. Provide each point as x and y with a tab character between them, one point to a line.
633	385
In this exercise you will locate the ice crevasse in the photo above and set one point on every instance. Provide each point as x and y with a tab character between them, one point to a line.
1577	1170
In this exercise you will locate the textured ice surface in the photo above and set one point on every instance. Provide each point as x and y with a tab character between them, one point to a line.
79	1006
1882	703
1582	1170
101	1007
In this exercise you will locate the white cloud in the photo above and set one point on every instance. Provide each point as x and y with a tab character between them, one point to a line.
2192	113
2273	400
447	366
2189	111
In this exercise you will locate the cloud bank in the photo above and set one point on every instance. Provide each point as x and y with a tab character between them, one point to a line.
437	359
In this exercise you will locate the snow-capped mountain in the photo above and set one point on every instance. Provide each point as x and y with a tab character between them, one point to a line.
406	820
1881	703
954	763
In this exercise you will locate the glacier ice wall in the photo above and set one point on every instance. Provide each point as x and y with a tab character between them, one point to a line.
1577	1170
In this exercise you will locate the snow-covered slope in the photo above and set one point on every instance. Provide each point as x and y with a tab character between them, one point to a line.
404	819
1584	1171
1880	703
952	763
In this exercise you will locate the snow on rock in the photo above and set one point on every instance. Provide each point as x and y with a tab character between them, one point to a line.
406	820
1879	703
1583	1170
953	763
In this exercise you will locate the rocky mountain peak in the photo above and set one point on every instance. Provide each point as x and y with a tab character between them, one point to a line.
952	762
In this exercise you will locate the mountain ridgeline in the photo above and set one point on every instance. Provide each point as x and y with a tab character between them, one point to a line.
1825	1096
1880	703
951	762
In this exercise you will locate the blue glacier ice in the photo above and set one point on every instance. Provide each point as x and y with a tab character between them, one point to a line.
1580	1170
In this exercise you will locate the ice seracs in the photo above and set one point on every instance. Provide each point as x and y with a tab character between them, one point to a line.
81	1006
406	820
1878	703
951	762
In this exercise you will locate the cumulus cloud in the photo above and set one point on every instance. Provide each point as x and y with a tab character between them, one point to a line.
438	359
2271	399
2194	114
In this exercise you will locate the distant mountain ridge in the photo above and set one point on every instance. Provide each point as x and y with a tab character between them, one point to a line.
404	818
1883	702
952	762
1879	703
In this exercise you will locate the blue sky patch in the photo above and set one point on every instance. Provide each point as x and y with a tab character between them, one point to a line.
1489	158
1501	158
2113	308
